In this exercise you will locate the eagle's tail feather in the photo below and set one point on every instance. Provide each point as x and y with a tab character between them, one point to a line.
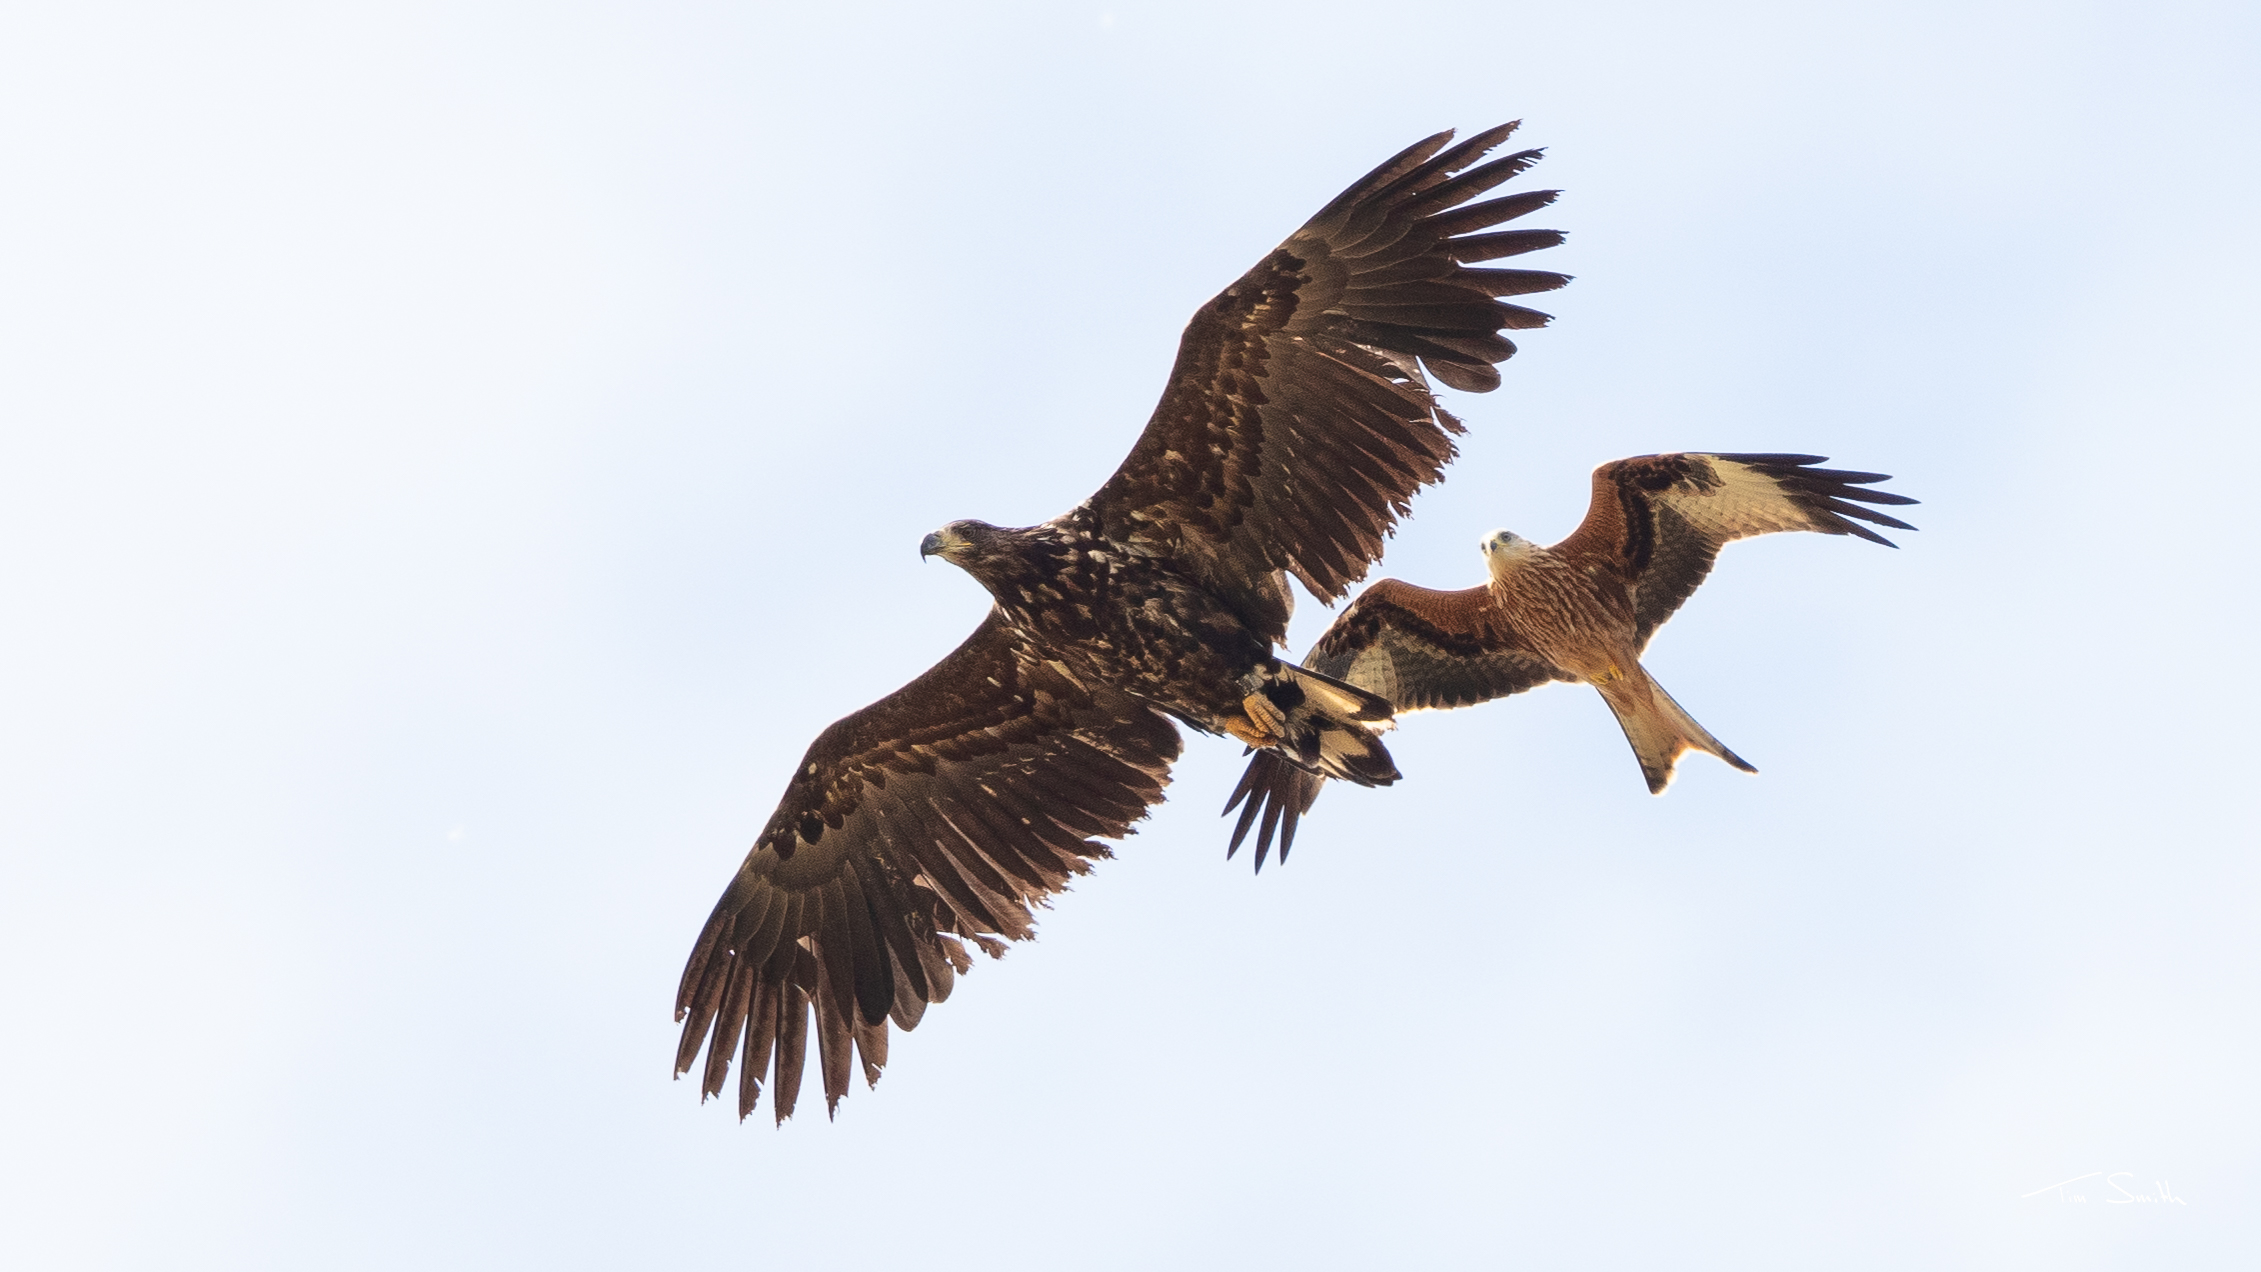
1339	698
1330	726
1660	730
1317	727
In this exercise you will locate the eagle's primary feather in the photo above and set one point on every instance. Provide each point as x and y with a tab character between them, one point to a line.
1296	424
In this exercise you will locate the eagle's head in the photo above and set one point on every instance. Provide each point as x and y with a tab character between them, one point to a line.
961	543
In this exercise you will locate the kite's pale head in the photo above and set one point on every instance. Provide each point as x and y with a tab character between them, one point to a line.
1504	549
961	543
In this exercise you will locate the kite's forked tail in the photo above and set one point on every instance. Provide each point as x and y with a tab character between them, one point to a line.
1659	729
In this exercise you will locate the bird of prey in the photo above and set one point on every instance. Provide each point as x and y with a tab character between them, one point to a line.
1296	423
1580	611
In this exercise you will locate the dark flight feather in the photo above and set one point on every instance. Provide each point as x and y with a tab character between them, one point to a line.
1111	752
761	1038
1506	243
792	1046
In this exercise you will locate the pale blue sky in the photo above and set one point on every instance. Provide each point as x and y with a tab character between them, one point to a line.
454	457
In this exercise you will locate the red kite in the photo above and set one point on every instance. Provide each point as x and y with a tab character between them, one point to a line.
1581	611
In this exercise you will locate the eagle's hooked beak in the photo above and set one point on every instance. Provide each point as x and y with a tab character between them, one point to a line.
930	545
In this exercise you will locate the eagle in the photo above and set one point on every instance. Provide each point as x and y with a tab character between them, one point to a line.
1581	611
1297	422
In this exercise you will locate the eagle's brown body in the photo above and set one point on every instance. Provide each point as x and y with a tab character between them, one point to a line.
1124	618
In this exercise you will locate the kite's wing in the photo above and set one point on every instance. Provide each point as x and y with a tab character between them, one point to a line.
1297	422
1420	648
944	811
1659	521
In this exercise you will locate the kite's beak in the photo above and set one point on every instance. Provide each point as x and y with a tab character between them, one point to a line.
930	545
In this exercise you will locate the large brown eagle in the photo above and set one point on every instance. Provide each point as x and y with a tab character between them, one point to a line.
1581	611
1296	424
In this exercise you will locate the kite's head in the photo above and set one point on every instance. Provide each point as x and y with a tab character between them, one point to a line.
961	543
1502	549
1503	541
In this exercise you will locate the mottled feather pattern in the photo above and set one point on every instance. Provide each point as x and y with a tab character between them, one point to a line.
1297	423
899	837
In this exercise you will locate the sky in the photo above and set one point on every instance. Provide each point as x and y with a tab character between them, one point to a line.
453	458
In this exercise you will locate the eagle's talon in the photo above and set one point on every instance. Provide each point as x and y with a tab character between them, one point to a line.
1264	725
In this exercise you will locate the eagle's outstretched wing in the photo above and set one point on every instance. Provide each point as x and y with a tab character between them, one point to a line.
1297	423
942	812
1420	648
1660	520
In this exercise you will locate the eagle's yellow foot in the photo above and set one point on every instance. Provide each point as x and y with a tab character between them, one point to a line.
1263	725
1612	674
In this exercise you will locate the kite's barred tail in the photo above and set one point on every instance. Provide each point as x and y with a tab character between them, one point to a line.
1659	728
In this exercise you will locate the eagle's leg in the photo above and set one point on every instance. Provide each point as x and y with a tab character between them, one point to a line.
1263	723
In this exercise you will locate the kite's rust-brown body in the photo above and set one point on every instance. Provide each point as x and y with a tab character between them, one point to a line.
1580	617
1579	620
1297	422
